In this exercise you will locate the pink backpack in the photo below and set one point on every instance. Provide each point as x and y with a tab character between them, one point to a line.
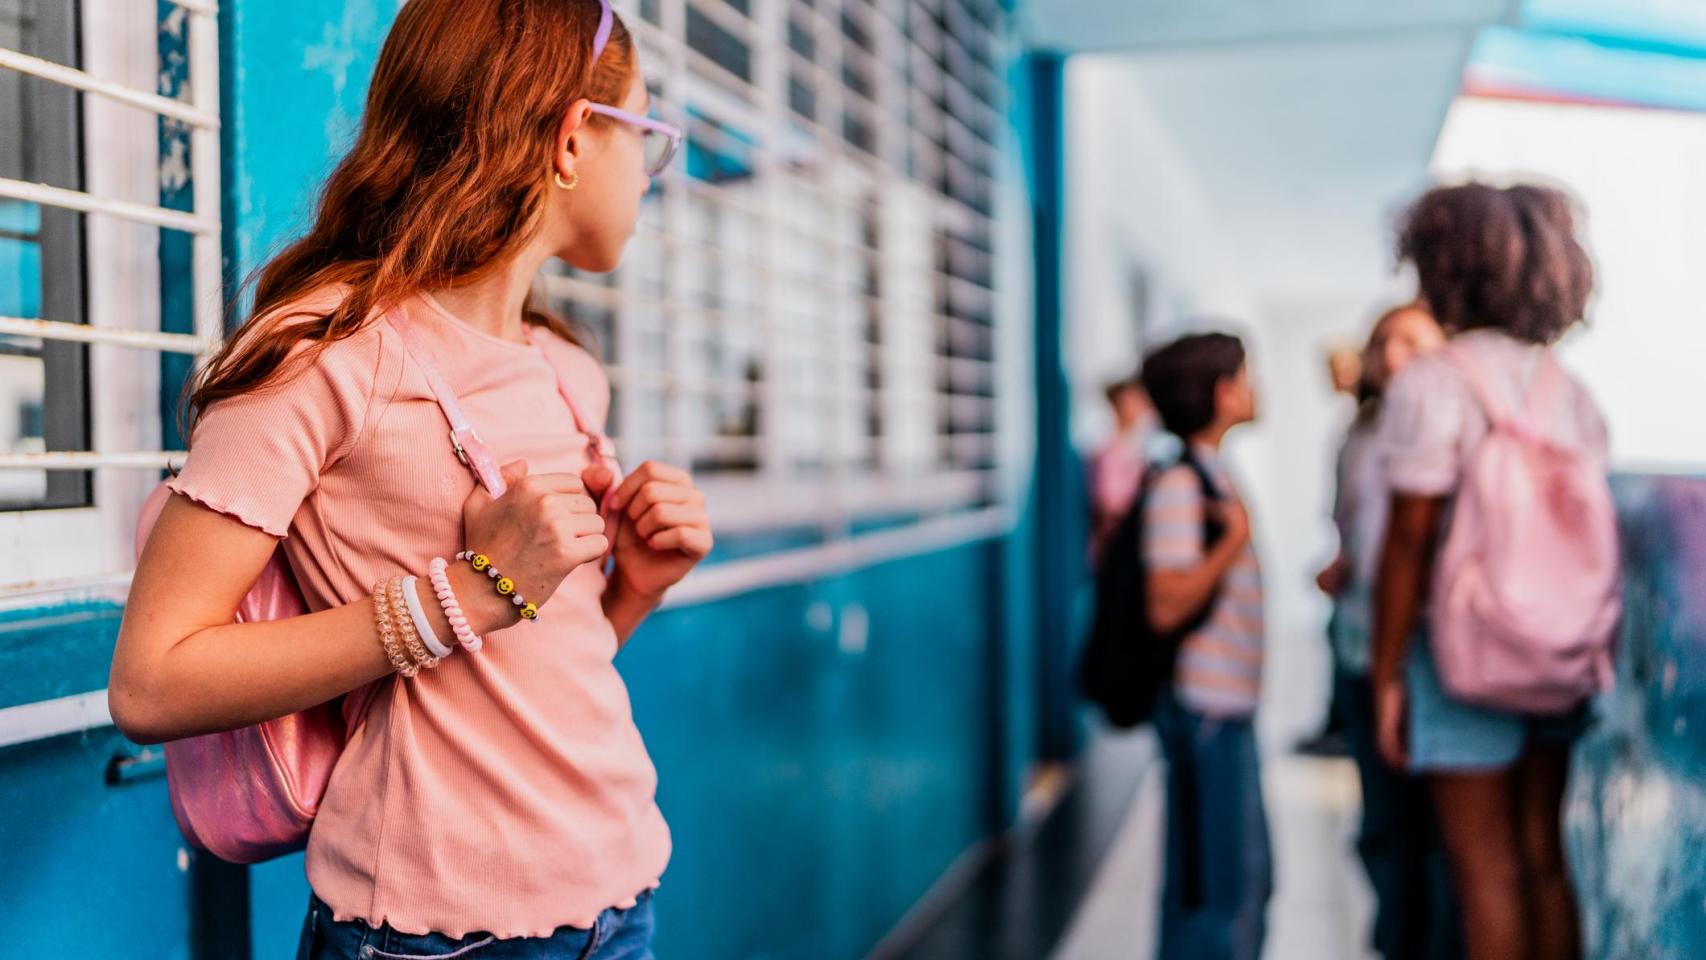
251	794
1527	593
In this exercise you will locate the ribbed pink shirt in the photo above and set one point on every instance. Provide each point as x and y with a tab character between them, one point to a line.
507	791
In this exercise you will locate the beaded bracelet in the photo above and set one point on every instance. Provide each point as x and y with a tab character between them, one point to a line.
388	632
423	658
505	586
440	580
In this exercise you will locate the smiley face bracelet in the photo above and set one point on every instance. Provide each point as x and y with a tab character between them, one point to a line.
504	585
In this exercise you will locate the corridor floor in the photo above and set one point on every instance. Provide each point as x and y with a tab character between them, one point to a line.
1321	902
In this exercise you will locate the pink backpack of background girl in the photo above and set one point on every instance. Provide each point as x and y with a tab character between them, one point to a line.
1527	593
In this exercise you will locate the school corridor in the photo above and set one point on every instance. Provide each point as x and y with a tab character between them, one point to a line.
873	307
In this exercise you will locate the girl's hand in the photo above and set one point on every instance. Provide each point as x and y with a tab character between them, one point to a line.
542	528
661	528
1333	580
1390	707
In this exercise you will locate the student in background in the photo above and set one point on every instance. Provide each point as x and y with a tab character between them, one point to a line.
1345	373
1504	274
1398	841
1203	578
1116	469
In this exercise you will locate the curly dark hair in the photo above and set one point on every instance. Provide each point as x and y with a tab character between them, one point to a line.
1181	378
1499	258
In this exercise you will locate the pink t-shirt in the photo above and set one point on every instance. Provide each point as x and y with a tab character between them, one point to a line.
506	791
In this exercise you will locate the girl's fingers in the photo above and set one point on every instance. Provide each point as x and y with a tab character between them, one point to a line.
695	542
644	474
666	515
570	503
657	492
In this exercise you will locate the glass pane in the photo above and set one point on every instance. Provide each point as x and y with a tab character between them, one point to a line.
43	393
22	379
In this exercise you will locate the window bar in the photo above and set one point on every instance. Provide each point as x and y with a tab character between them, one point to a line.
137	212
208	282
676	212
83	333
80	80
90	459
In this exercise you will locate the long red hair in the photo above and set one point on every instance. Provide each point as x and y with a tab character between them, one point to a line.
447	176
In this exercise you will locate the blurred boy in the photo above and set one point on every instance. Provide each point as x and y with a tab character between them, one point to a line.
1203	578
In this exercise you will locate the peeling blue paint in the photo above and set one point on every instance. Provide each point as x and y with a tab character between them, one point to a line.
1637	809
296	77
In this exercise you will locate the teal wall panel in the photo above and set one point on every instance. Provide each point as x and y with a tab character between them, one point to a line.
1637	808
819	772
90	870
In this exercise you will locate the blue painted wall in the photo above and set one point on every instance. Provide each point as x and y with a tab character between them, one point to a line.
1637	810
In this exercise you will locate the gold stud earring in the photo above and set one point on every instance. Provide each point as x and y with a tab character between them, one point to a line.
573	181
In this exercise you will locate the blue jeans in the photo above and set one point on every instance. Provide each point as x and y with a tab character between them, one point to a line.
1219	871
618	935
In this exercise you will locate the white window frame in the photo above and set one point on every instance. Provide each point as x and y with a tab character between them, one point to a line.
51	555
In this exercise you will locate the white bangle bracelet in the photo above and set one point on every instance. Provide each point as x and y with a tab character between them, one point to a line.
423	626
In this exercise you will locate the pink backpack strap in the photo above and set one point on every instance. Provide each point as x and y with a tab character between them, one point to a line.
470	449
1549	385
1537	414
600	448
1467	365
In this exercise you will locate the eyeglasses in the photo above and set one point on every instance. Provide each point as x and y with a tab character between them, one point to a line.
660	141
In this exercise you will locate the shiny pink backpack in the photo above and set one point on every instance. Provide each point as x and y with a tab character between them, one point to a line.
251	794
1527	593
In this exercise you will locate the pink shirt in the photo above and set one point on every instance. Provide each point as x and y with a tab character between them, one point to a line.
1116	473
506	791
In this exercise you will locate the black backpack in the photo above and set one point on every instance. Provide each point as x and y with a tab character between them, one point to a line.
1127	663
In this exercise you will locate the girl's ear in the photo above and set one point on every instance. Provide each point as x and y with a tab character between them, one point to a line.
569	148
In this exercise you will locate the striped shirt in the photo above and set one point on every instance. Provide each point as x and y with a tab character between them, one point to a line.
1219	671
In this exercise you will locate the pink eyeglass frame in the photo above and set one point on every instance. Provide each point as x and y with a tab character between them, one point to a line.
672	132
607	21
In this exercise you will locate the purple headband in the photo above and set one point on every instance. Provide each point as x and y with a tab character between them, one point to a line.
606	20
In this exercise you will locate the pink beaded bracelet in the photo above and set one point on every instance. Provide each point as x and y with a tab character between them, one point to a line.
440	579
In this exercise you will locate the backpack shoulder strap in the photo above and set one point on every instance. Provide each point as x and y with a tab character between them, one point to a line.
1213	527
1205	480
1550	382
470	449
1476	377
600	447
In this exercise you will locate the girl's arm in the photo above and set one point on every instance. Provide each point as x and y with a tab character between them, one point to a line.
625	607
182	666
1406	566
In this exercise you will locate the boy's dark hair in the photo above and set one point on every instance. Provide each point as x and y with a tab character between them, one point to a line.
1181	378
1505	259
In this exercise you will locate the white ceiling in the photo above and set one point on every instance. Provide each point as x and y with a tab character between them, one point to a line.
1305	124
1076	26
